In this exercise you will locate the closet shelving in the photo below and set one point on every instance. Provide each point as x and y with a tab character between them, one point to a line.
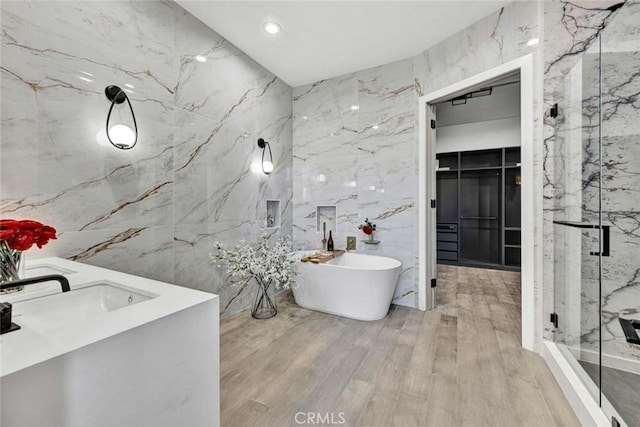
478	209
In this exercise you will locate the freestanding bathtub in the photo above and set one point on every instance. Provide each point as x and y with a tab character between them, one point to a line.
352	285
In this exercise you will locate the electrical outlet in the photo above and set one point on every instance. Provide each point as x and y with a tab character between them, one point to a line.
351	243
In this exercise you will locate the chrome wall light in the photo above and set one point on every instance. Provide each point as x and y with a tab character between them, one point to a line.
267	166
120	136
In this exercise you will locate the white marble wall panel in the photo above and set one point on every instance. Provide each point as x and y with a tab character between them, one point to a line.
570	30
143	251
354	150
620	65
610	70
386	167
198	126
494	40
325	130
192	248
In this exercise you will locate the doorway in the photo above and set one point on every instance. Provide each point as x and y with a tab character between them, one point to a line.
478	177
530	239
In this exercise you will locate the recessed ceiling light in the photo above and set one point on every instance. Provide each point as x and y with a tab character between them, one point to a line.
304	117
85	79
375	127
533	42
272	28
130	86
200	58
355	107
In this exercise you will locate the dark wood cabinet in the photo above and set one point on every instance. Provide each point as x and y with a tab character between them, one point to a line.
478	208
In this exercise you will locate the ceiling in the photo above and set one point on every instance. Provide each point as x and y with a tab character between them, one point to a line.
324	39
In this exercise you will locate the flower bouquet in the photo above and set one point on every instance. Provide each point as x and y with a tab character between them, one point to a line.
17	236
266	264
368	228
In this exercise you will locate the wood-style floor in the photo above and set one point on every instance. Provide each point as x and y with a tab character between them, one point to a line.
458	365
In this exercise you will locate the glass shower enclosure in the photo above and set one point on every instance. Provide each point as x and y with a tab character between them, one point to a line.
596	161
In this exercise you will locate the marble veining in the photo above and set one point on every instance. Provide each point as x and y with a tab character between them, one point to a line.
607	76
326	137
156	210
354	136
570	30
353	149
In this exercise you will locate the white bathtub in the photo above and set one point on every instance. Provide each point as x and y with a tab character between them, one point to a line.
352	285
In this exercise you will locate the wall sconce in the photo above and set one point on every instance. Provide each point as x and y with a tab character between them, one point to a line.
267	166
120	136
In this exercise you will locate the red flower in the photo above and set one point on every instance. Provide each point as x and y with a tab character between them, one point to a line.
367	229
8	234
20	235
8	229
28	224
23	241
48	231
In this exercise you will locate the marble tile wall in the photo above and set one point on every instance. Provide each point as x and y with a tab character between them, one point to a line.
375	154
620	64
570	30
609	74
155	210
329	136
354	150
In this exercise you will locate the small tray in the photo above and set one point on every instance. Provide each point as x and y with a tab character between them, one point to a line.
319	258
371	242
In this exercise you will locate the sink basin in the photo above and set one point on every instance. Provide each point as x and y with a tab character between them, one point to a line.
44	269
87	301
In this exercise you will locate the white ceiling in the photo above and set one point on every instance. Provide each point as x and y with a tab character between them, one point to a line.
324	39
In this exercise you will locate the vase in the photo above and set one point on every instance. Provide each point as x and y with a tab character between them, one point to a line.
371	237
264	307
11	267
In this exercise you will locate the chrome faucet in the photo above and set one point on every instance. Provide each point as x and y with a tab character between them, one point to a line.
64	283
351	243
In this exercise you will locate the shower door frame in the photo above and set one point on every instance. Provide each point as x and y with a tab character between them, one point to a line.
531	270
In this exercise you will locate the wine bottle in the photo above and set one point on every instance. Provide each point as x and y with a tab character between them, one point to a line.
330	242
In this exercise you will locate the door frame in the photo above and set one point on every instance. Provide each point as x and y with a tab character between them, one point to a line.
531	220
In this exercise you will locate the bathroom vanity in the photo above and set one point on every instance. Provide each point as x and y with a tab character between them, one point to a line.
117	350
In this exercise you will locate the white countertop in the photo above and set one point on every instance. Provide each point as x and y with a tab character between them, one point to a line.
27	347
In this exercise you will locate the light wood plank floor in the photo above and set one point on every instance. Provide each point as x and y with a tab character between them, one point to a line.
458	365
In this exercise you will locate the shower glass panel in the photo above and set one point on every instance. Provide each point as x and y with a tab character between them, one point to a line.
576	216
620	195
596	180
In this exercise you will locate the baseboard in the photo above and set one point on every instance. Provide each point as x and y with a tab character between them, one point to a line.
584	406
610	361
